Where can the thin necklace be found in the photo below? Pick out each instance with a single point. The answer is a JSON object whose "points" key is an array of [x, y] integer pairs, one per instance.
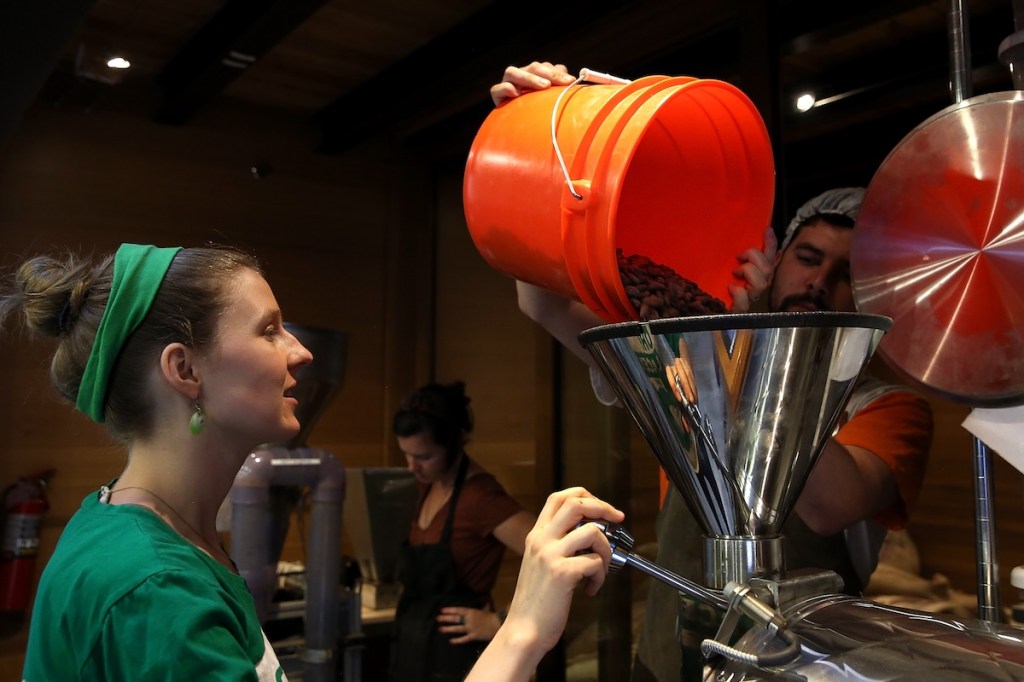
{"points": [[106, 492]]}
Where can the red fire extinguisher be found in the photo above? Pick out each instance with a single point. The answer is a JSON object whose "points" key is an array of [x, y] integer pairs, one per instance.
{"points": [[24, 504]]}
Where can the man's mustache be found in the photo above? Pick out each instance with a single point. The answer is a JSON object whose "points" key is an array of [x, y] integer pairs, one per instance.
{"points": [[817, 302]]}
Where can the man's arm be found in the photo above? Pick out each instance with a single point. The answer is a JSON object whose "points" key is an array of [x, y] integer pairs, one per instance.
{"points": [[873, 468], [846, 485], [561, 317]]}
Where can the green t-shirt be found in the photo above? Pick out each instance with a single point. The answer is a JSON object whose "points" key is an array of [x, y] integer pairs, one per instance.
{"points": [[125, 597]]}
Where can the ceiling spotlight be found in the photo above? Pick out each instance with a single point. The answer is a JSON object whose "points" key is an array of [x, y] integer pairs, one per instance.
{"points": [[805, 101], [100, 63]]}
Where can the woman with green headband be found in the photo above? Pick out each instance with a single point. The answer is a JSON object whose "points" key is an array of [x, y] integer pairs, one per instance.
{"points": [[183, 355]]}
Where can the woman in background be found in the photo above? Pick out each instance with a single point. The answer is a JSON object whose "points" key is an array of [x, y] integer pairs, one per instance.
{"points": [[464, 522], [182, 354]]}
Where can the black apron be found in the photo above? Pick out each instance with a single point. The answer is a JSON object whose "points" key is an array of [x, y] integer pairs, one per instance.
{"points": [[420, 652]]}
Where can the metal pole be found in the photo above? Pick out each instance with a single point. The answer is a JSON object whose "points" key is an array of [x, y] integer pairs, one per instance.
{"points": [[984, 507], [984, 519], [960, 86]]}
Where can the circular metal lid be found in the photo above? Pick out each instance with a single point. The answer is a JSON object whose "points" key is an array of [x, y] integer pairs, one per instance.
{"points": [[939, 248]]}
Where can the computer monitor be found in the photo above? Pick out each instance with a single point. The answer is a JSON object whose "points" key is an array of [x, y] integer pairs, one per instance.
{"points": [[379, 506]]}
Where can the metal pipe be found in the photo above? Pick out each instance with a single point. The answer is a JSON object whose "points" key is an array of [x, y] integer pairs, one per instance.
{"points": [[984, 518], [669, 578], [960, 86], [253, 549], [252, 523], [984, 508]]}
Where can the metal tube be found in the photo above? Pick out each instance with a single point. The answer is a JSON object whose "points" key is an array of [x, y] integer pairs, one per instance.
{"points": [[682, 584], [252, 521], [324, 570], [960, 52], [984, 508], [984, 518]]}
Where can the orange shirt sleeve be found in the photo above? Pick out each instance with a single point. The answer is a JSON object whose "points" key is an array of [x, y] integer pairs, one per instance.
{"points": [[896, 427]]}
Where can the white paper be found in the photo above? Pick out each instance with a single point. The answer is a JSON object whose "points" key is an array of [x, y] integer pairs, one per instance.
{"points": [[1002, 430]]}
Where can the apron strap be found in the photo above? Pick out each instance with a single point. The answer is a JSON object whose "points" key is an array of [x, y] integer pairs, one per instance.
{"points": [[460, 476]]}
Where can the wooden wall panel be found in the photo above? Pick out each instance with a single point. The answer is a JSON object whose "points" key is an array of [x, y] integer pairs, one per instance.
{"points": [[483, 339]]}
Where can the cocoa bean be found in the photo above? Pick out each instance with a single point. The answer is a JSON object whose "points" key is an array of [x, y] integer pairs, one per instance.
{"points": [[657, 291]]}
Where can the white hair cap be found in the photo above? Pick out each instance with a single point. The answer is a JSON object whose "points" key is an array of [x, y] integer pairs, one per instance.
{"points": [[844, 201]]}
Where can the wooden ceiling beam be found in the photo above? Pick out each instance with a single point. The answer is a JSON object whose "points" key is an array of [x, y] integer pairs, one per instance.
{"points": [[32, 37], [235, 38], [451, 74]]}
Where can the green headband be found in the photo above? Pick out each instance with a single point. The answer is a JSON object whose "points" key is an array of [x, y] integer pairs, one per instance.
{"points": [[138, 272]]}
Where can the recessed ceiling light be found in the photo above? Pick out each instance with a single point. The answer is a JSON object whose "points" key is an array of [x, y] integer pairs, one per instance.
{"points": [[805, 101], [118, 63]]}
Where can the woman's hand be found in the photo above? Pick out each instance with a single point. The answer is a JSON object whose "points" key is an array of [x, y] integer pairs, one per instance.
{"points": [[519, 80], [755, 269], [560, 555], [468, 625]]}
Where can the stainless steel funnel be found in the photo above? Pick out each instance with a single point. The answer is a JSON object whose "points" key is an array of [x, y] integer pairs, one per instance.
{"points": [[737, 409]]}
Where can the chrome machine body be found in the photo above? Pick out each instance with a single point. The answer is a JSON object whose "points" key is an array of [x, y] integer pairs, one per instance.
{"points": [[737, 409]]}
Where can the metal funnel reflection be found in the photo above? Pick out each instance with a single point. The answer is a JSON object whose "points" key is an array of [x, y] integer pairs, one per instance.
{"points": [[737, 407], [319, 381]]}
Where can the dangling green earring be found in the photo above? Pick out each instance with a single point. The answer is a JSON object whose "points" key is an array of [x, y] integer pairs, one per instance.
{"points": [[197, 421]]}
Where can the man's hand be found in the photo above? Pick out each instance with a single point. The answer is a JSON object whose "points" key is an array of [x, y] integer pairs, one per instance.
{"points": [[755, 269], [519, 80]]}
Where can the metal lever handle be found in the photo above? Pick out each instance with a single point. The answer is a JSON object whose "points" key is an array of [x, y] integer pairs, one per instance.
{"points": [[621, 542]]}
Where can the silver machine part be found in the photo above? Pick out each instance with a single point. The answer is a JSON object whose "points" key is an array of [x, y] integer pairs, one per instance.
{"points": [[728, 560], [620, 541], [989, 599], [847, 638], [737, 408], [898, 238]]}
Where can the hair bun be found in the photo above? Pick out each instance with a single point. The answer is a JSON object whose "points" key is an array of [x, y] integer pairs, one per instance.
{"points": [[53, 292]]}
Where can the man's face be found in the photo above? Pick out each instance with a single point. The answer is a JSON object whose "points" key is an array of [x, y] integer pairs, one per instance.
{"points": [[813, 273]]}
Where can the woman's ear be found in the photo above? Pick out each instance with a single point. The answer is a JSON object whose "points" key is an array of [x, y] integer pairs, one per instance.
{"points": [[177, 366]]}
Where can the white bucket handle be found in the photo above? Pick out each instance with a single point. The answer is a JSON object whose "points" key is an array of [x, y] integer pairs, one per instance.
{"points": [[586, 76]]}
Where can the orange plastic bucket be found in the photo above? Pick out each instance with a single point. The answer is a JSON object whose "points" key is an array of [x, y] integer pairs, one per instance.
{"points": [[677, 169]]}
